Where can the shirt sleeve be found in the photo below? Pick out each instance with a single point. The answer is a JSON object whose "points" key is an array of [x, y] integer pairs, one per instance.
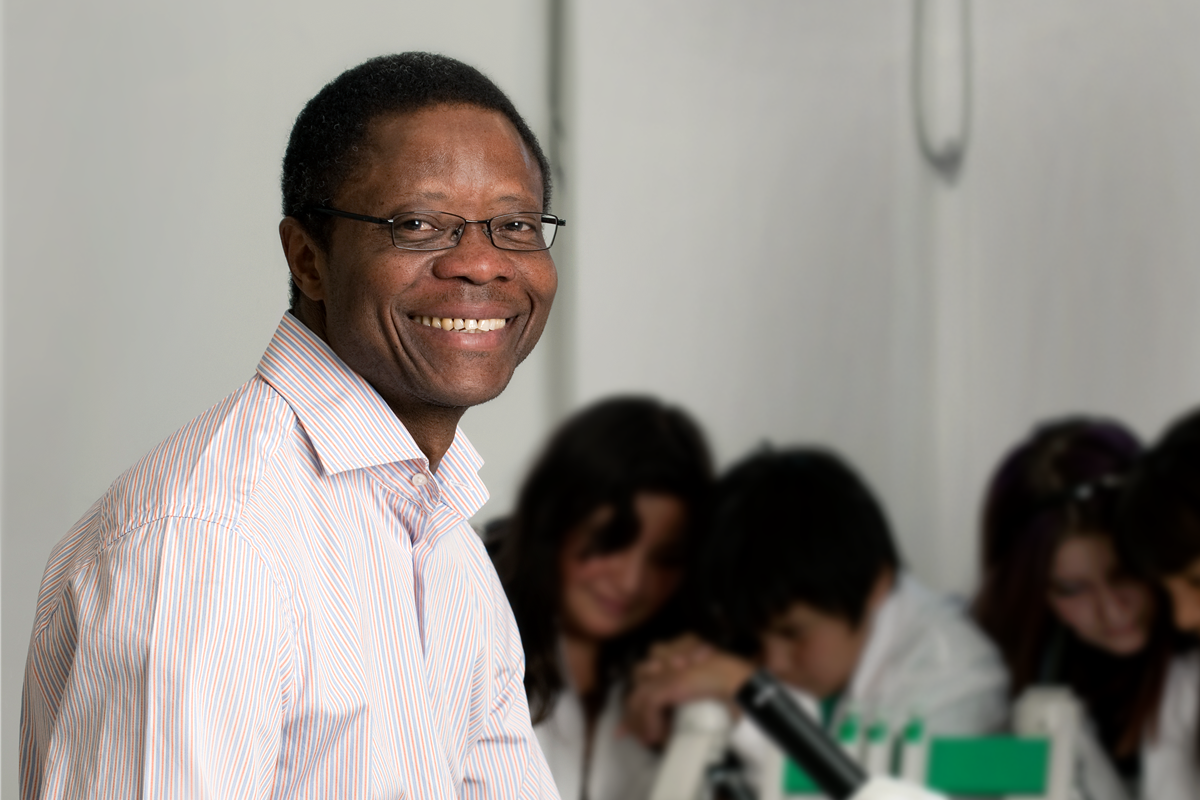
{"points": [[160, 670], [506, 760]]}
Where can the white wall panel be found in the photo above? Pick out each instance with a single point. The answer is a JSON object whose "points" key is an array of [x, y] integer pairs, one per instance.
{"points": [[1078, 282], [747, 241]]}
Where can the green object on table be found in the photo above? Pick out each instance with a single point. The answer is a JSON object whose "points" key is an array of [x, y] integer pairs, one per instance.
{"points": [[796, 780], [988, 765], [848, 729], [982, 766]]}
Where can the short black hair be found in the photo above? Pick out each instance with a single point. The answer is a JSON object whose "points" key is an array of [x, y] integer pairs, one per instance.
{"points": [[327, 138], [797, 525], [1160, 520]]}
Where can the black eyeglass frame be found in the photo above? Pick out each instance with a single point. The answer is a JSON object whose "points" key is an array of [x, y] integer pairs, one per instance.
{"points": [[559, 222]]}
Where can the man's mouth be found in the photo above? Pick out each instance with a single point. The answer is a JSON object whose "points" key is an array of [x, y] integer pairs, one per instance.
{"points": [[461, 325]]}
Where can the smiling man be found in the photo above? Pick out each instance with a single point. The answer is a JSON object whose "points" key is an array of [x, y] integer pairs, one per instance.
{"points": [[284, 599]]}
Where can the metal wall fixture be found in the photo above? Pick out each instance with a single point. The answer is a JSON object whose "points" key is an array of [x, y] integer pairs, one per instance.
{"points": [[941, 82]]}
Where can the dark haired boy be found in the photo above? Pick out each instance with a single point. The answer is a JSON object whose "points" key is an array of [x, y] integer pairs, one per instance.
{"points": [[1161, 529], [801, 576]]}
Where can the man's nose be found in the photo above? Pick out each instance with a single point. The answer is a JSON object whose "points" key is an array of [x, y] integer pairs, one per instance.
{"points": [[475, 258]]}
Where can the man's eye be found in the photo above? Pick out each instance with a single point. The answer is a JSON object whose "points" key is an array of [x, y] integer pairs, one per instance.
{"points": [[414, 223]]}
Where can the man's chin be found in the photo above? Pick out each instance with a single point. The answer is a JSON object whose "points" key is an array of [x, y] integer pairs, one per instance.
{"points": [[465, 394]]}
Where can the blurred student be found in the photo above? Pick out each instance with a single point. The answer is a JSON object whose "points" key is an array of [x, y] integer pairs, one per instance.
{"points": [[591, 561], [1161, 524], [1056, 596], [801, 576]]}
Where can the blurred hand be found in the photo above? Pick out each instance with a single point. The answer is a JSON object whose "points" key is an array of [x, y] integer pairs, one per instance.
{"points": [[676, 672]]}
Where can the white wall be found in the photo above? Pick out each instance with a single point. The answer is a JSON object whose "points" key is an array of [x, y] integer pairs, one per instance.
{"points": [[142, 270], [760, 167], [1073, 280]]}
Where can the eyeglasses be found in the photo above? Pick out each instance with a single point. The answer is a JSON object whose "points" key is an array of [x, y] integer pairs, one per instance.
{"points": [[439, 230]]}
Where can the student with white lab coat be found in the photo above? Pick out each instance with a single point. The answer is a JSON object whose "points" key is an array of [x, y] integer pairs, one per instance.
{"points": [[801, 576], [1060, 600], [591, 560], [1160, 526]]}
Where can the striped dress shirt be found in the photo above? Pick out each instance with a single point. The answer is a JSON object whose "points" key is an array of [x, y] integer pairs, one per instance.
{"points": [[280, 601]]}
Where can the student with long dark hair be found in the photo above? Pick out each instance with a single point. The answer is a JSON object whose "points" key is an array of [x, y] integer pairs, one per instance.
{"points": [[1160, 524], [591, 561], [1057, 595]]}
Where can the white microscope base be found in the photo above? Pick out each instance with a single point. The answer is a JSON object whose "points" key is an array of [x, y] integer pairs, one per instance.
{"points": [[880, 788]]}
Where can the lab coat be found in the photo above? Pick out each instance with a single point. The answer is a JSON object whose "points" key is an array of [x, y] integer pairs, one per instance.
{"points": [[1169, 766], [621, 768], [923, 657]]}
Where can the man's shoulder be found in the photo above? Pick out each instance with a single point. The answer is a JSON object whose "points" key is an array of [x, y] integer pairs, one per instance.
{"points": [[205, 470], [202, 474], [209, 467]]}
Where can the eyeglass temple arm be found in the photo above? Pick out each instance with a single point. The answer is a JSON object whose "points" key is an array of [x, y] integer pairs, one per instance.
{"points": [[333, 212]]}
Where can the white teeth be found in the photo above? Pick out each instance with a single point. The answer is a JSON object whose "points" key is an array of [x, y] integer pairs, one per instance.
{"points": [[464, 325]]}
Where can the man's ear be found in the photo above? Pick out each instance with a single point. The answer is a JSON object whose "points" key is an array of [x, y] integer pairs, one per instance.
{"points": [[305, 258]]}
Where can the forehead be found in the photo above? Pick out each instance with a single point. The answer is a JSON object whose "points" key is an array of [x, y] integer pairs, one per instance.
{"points": [[445, 153], [1085, 552], [802, 614]]}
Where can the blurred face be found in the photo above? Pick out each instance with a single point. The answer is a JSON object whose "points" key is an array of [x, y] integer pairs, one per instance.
{"points": [[1092, 595], [1184, 588], [609, 594], [813, 650]]}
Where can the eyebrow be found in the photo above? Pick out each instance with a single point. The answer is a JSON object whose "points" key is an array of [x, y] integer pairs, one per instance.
{"points": [[508, 198]]}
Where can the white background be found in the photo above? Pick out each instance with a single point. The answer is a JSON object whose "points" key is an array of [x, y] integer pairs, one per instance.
{"points": [[753, 234]]}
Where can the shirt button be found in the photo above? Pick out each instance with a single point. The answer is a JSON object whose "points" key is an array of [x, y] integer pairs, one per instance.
{"points": [[420, 479]]}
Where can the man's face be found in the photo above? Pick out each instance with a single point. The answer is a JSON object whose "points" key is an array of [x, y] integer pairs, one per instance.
{"points": [[466, 161]]}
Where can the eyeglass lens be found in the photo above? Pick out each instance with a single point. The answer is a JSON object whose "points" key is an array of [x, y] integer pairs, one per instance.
{"points": [[422, 230]]}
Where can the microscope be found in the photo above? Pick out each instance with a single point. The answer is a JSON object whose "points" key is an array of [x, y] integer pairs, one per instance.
{"points": [[1047, 759]]}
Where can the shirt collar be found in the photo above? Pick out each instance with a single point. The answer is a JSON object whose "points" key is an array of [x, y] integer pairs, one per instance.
{"points": [[348, 423]]}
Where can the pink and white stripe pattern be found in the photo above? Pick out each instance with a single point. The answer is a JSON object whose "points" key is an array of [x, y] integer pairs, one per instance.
{"points": [[280, 601]]}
